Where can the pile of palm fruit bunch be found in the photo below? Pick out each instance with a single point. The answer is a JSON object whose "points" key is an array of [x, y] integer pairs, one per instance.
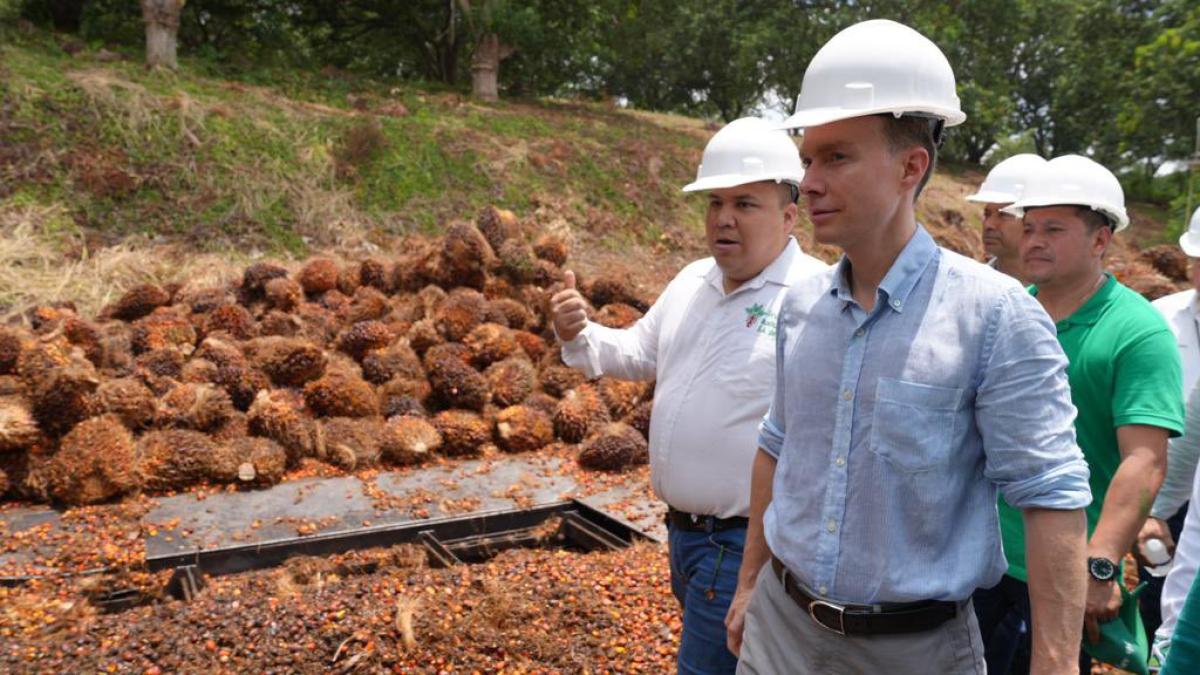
{"points": [[445, 350]]}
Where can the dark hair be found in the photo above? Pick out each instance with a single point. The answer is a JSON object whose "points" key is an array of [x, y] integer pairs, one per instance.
{"points": [[906, 131], [788, 194], [1093, 219]]}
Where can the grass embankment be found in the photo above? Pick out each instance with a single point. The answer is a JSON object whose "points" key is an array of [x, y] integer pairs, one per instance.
{"points": [[111, 175], [99, 152]]}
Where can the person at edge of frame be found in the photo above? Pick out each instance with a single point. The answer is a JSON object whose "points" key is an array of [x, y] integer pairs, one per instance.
{"points": [[1169, 520]]}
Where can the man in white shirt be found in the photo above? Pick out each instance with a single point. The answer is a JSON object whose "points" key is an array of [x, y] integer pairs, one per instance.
{"points": [[1182, 312], [1002, 231], [709, 341]]}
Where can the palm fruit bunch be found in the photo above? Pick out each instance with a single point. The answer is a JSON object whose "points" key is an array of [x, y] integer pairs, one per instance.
{"points": [[441, 350]]}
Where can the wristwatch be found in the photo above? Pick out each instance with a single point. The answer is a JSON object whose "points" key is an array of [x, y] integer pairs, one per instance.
{"points": [[1102, 569]]}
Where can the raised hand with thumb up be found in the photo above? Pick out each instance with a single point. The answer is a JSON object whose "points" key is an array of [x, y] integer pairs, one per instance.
{"points": [[568, 310]]}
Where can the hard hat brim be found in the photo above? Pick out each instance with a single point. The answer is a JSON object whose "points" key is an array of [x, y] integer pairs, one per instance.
{"points": [[992, 197], [1190, 243], [1019, 208], [733, 180], [816, 117]]}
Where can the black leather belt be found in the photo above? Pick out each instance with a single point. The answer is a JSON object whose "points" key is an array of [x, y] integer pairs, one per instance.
{"points": [[694, 523], [866, 619]]}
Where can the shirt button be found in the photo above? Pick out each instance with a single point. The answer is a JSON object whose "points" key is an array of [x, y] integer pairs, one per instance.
{"points": [[860, 332], [840, 461], [823, 590], [896, 304], [847, 394], [831, 525]]}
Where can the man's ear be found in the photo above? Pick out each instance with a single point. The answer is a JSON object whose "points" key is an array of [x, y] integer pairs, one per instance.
{"points": [[914, 164], [791, 216], [1101, 239]]}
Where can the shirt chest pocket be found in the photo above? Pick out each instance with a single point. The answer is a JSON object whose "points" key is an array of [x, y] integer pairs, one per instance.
{"points": [[748, 370], [913, 424]]}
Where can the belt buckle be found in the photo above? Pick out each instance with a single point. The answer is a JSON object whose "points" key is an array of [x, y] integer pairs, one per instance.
{"points": [[838, 609]]}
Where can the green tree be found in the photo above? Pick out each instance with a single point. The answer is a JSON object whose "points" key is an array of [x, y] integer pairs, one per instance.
{"points": [[1036, 67], [1158, 113], [984, 61], [799, 29], [1097, 57], [699, 57]]}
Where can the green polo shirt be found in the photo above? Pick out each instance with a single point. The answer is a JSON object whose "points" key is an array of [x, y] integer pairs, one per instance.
{"points": [[1124, 369]]}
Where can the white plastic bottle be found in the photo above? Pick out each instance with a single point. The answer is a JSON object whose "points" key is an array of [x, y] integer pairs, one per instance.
{"points": [[1157, 555]]}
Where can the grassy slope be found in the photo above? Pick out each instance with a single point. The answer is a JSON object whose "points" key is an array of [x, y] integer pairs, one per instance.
{"points": [[200, 170]]}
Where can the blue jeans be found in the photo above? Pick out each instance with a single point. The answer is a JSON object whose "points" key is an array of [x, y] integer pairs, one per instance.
{"points": [[704, 571], [1000, 610]]}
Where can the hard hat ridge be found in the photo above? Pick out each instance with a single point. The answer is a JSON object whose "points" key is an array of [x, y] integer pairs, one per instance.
{"points": [[1190, 241], [1006, 180], [877, 67], [747, 150], [1074, 180]]}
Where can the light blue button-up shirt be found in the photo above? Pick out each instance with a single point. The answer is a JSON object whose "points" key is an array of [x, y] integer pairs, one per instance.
{"points": [[894, 429]]}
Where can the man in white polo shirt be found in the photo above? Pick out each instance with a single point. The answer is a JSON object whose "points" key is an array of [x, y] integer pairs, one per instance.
{"points": [[1182, 312], [1002, 231], [709, 340]]}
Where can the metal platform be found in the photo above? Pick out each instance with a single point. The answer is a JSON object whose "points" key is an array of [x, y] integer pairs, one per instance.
{"points": [[233, 531], [449, 541]]}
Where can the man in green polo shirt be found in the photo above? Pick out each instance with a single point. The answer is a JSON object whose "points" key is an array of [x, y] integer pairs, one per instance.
{"points": [[1125, 381]]}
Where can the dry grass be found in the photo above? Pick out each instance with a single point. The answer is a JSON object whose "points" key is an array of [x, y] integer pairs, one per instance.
{"points": [[44, 258], [38, 265], [136, 109]]}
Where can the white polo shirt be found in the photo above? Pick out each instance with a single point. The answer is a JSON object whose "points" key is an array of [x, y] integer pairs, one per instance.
{"points": [[713, 356], [1183, 316]]}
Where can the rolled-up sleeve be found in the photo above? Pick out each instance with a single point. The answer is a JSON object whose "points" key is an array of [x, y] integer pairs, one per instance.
{"points": [[628, 353], [1024, 412]]}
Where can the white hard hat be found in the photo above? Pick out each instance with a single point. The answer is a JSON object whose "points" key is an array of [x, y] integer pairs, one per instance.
{"points": [[1005, 181], [1074, 180], [747, 150], [876, 67], [1190, 241]]}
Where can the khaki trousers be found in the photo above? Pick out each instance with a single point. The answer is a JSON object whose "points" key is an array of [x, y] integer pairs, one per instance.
{"points": [[781, 639]]}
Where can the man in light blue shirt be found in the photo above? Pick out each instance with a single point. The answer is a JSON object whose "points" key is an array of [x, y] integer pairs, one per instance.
{"points": [[912, 385]]}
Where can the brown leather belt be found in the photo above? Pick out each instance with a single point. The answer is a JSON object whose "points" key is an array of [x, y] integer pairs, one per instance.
{"points": [[912, 617], [696, 523]]}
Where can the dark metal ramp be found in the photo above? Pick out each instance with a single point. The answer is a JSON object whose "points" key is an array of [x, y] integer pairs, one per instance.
{"points": [[227, 531]]}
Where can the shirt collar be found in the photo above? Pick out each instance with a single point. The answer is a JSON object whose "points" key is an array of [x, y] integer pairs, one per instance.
{"points": [[778, 272], [1090, 312], [901, 277]]}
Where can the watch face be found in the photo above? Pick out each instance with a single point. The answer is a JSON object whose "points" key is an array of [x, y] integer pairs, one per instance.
{"points": [[1101, 568]]}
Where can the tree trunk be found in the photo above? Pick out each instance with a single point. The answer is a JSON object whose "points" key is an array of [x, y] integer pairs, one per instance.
{"points": [[162, 31], [485, 67]]}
